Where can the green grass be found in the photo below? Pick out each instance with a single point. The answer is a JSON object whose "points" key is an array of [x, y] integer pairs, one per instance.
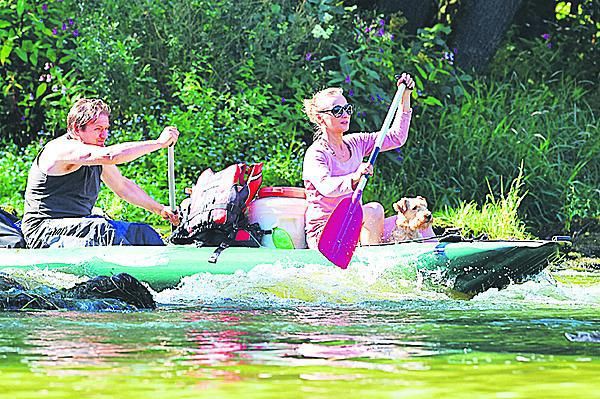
{"points": [[497, 217]]}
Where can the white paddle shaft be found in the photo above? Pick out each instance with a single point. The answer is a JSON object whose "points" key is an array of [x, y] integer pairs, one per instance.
{"points": [[171, 175], [383, 132]]}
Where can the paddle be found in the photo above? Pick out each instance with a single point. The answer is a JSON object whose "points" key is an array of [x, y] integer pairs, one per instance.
{"points": [[342, 230], [171, 176]]}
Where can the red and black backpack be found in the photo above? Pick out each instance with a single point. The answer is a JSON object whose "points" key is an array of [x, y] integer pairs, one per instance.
{"points": [[215, 212]]}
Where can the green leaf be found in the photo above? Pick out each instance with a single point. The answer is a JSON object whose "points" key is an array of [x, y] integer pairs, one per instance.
{"points": [[22, 54], [27, 45], [373, 74], [41, 90], [4, 24], [5, 52], [51, 54], [429, 100], [421, 71], [34, 57], [20, 7]]}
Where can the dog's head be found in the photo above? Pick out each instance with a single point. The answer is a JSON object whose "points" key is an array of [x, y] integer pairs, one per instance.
{"points": [[413, 213]]}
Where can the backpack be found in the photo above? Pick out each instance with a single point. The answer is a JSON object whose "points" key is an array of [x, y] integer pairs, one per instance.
{"points": [[215, 212], [10, 231]]}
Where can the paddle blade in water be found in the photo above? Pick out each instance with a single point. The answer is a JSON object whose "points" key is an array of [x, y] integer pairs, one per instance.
{"points": [[342, 231]]}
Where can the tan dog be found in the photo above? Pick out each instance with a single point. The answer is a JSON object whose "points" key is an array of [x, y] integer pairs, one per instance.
{"points": [[413, 216]]}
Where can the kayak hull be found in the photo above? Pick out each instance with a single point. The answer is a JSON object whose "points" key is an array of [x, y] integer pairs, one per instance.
{"points": [[468, 267]]}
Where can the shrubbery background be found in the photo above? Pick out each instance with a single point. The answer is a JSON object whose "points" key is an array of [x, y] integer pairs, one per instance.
{"points": [[232, 75]]}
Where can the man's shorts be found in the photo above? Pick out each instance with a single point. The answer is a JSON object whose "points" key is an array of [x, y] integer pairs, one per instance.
{"points": [[91, 231]]}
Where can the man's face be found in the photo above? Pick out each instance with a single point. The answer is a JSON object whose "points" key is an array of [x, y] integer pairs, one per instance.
{"points": [[95, 132]]}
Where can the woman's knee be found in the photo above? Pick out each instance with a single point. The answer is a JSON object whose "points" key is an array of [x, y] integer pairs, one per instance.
{"points": [[374, 211]]}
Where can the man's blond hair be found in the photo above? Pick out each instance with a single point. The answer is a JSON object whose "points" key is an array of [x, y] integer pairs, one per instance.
{"points": [[85, 110]]}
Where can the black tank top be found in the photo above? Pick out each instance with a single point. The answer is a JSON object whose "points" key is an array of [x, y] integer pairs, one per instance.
{"points": [[66, 196]]}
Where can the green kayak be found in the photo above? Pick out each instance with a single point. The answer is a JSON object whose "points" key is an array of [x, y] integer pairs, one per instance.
{"points": [[467, 266]]}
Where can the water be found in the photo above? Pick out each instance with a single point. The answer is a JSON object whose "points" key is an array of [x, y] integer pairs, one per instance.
{"points": [[291, 333]]}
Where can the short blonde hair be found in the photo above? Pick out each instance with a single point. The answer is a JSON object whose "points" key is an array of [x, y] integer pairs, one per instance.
{"points": [[84, 111], [310, 106]]}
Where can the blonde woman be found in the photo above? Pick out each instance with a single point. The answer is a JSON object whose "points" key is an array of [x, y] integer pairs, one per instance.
{"points": [[334, 163]]}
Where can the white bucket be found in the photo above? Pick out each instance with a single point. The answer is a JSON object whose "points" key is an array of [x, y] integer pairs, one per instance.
{"points": [[287, 213]]}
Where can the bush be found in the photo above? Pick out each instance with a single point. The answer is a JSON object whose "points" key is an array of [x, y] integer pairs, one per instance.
{"points": [[232, 76], [37, 79]]}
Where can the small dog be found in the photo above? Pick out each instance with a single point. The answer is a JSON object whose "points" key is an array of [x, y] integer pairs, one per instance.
{"points": [[413, 216]]}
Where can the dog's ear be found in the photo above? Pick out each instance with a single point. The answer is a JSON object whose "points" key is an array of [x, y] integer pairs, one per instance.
{"points": [[422, 199], [401, 206]]}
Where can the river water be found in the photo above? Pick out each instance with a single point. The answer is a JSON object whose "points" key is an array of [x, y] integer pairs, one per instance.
{"points": [[309, 334]]}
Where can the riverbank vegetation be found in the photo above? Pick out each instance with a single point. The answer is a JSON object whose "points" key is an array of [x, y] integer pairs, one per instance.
{"points": [[232, 75]]}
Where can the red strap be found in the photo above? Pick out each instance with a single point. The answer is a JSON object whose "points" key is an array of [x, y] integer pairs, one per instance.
{"points": [[254, 180]]}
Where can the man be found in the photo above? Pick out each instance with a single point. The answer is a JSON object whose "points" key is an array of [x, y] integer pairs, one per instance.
{"points": [[64, 181]]}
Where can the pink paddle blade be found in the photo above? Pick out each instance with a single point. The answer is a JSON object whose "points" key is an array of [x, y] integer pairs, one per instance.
{"points": [[342, 232]]}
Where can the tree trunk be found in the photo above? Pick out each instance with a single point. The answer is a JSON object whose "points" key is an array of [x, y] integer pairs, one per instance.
{"points": [[478, 30]]}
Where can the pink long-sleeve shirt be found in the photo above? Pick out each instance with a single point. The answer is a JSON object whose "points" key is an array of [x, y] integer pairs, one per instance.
{"points": [[328, 180]]}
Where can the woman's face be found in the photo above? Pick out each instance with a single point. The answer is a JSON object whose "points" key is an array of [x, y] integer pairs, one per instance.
{"points": [[334, 124]]}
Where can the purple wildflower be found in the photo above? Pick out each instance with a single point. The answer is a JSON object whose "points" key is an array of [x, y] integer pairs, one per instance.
{"points": [[308, 56], [351, 93], [76, 32], [23, 118], [54, 31], [347, 80], [381, 32], [455, 50], [382, 22], [546, 36], [367, 29], [64, 27], [392, 37], [549, 45], [45, 7], [71, 22], [379, 98], [282, 100], [380, 50], [48, 78], [364, 114], [400, 156], [42, 78], [371, 98]]}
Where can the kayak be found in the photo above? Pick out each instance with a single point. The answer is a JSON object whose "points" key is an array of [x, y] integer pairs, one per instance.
{"points": [[467, 266]]}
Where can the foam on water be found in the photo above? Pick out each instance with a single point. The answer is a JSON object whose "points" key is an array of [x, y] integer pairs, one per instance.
{"points": [[310, 283], [281, 283], [544, 289]]}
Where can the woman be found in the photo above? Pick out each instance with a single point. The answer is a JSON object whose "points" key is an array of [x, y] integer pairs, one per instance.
{"points": [[333, 164]]}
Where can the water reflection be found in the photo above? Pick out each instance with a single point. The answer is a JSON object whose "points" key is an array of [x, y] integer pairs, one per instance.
{"points": [[60, 348]]}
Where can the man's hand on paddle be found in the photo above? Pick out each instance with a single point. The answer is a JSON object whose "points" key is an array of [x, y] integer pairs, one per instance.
{"points": [[168, 136], [168, 214]]}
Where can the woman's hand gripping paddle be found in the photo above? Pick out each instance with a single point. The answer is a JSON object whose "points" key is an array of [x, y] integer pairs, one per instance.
{"points": [[342, 230], [171, 177]]}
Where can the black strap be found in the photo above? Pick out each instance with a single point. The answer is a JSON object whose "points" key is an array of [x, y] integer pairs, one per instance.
{"points": [[215, 255]]}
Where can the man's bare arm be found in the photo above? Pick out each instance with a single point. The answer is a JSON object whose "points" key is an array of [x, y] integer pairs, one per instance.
{"points": [[78, 153], [134, 194]]}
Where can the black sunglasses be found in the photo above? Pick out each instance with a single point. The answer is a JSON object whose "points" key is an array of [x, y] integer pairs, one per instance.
{"points": [[339, 110]]}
